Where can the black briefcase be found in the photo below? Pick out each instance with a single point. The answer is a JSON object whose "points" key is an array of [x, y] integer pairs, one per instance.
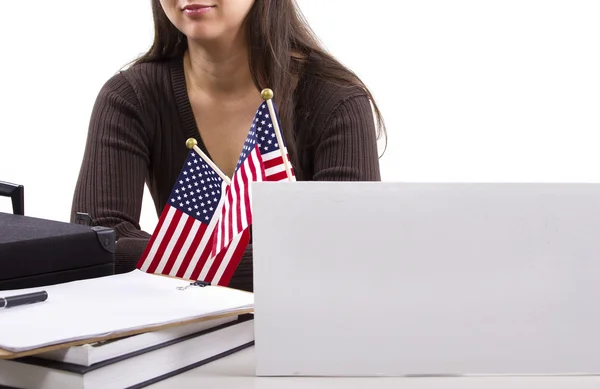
{"points": [[38, 252]]}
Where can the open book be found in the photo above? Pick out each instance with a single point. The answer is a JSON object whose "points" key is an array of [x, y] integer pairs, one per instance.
{"points": [[124, 304]]}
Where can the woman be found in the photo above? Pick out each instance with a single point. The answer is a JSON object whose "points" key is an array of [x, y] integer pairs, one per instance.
{"points": [[202, 78]]}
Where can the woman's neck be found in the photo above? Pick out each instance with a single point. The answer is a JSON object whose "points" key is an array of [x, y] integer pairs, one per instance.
{"points": [[218, 69]]}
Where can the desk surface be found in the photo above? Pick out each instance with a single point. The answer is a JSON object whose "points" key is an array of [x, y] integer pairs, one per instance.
{"points": [[237, 371]]}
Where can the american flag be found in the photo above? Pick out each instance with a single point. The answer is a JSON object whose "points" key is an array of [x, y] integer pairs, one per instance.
{"points": [[261, 160], [181, 243]]}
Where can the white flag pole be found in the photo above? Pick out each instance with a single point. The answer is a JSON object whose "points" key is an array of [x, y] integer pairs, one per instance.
{"points": [[192, 143], [267, 95]]}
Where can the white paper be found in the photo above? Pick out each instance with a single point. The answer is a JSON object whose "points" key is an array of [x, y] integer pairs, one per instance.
{"points": [[113, 304]]}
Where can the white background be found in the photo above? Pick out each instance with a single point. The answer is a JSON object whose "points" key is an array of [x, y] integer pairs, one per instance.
{"points": [[471, 90]]}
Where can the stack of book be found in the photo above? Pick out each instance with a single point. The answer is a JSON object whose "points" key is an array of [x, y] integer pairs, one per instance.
{"points": [[131, 362], [191, 328]]}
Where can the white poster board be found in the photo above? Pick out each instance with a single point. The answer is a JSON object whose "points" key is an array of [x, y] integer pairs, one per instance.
{"points": [[399, 279]]}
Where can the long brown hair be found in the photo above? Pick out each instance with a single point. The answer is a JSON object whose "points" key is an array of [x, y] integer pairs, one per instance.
{"points": [[274, 29]]}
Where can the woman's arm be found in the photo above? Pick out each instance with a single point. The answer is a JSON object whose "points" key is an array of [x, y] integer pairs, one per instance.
{"points": [[347, 149], [114, 167]]}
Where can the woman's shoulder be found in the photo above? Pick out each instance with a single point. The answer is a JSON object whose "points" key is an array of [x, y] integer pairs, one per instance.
{"points": [[323, 89], [150, 72], [141, 82], [144, 91]]}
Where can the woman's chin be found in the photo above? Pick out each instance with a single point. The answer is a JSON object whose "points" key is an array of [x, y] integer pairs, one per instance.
{"points": [[201, 33]]}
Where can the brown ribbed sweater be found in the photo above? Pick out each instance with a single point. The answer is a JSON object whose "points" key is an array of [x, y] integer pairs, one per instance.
{"points": [[137, 132]]}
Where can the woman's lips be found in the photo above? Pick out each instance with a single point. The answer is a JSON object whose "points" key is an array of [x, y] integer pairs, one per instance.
{"points": [[196, 9]]}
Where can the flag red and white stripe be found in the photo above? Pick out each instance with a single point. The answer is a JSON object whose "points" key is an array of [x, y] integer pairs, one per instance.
{"points": [[261, 160]]}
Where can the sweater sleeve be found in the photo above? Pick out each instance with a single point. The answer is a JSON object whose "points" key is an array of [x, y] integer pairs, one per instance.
{"points": [[347, 150], [111, 180]]}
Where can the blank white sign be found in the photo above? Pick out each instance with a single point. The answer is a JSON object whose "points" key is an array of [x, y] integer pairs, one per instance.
{"points": [[401, 279]]}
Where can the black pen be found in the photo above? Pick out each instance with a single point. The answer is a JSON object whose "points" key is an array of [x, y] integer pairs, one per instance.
{"points": [[22, 299]]}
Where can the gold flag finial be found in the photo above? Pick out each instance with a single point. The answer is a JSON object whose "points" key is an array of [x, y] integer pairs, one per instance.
{"points": [[190, 143], [266, 94]]}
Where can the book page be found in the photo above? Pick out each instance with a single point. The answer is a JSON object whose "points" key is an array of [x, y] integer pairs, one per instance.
{"points": [[108, 305]]}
